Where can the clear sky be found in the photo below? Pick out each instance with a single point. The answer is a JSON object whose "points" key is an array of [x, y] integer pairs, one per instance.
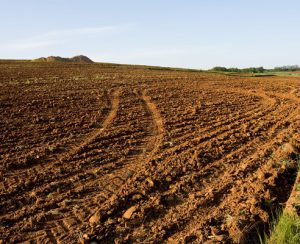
{"points": [[191, 33]]}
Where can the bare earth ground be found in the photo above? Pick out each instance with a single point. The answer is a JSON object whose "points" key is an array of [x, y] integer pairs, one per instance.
{"points": [[96, 152]]}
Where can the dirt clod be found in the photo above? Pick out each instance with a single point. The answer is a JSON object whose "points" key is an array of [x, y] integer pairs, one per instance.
{"points": [[95, 218], [129, 212]]}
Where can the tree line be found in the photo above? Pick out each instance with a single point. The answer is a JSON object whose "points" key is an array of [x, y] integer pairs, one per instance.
{"points": [[256, 69]]}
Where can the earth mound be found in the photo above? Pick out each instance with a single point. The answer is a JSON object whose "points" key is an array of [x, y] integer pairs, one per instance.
{"points": [[81, 59], [78, 59]]}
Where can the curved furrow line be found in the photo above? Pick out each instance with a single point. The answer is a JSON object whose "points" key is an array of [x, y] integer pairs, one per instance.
{"points": [[189, 132], [235, 170], [215, 132], [215, 205], [193, 136], [223, 185], [192, 121], [269, 131], [290, 96], [270, 106]]}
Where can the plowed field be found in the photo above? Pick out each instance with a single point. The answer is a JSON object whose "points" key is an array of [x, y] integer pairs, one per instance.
{"points": [[123, 154]]}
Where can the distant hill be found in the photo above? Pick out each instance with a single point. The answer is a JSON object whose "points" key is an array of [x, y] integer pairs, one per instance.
{"points": [[78, 59], [81, 59]]}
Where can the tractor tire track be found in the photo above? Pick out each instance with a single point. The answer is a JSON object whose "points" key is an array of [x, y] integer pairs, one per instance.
{"points": [[66, 229]]}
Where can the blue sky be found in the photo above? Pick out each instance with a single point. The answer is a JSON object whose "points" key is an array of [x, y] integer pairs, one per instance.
{"points": [[191, 33]]}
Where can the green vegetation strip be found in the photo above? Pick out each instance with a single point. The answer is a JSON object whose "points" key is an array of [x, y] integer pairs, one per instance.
{"points": [[286, 229]]}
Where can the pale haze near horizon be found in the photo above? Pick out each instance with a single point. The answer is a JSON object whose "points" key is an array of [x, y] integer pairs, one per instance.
{"points": [[193, 34]]}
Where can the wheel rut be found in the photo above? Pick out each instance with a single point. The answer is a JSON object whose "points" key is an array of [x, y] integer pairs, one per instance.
{"points": [[71, 150], [94, 134], [68, 213]]}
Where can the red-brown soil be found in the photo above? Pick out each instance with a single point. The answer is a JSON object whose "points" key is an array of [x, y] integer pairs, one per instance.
{"points": [[123, 154]]}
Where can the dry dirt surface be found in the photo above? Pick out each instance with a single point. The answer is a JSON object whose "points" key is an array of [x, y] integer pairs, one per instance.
{"points": [[125, 154]]}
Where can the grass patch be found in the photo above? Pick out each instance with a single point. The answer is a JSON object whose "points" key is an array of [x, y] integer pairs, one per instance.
{"points": [[287, 230], [277, 73], [259, 74]]}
